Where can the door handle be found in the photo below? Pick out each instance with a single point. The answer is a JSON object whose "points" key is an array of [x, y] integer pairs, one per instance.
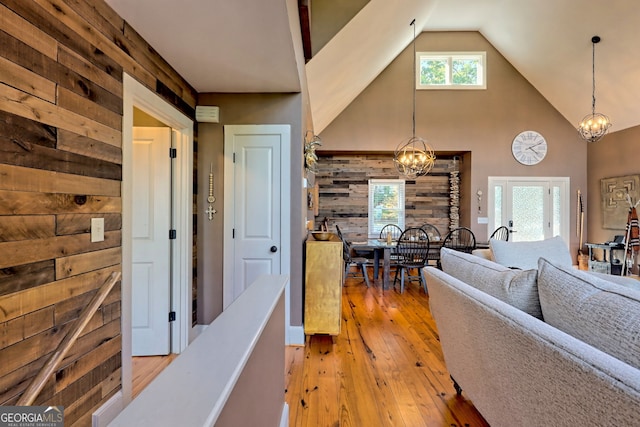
{"points": [[273, 249]]}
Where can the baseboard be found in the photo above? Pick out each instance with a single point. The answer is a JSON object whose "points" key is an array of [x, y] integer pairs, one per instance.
{"points": [[295, 335], [107, 412], [284, 419]]}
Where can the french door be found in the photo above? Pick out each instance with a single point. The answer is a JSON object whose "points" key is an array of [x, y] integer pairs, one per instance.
{"points": [[533, 208]]}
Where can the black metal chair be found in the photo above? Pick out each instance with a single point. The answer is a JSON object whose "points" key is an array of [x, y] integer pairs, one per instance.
{"points": [[460, 239], [500, 233], [353, 261], [411, 251]]}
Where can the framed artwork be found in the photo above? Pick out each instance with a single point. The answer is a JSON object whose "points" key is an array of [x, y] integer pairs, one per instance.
{"points": [[613, 194]]}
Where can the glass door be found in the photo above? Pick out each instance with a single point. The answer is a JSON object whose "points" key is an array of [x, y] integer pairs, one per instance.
{"points": [[532, 208]]}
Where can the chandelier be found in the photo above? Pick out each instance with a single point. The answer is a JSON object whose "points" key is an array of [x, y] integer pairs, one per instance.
{"points": [[595, 125], [414, 157]]}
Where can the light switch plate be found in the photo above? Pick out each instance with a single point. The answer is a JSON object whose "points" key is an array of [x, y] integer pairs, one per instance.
{"points": [[97, 229]]}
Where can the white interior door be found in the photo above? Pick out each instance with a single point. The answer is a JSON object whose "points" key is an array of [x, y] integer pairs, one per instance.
{"points": [[150, 233], [533, 208], [256, 225]]}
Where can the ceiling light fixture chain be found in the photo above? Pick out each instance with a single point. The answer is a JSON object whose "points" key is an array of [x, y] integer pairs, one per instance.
{"points": [[595, 125], [414, 157]]}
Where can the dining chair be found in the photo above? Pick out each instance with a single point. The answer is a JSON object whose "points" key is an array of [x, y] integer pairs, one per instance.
{"points": [[500, 233], [412, 251], [395, 233], [432, 231], [353, 261], [434, 242], [392, 229], [460, 239]]}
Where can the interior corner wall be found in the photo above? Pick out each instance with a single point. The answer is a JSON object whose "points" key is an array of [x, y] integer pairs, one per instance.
{"points": [[481, 122], [328, 17], [236, 109], [614, 155]]}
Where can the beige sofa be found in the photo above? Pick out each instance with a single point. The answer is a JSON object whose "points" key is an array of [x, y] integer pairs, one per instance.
{"points": [[553, 346]]}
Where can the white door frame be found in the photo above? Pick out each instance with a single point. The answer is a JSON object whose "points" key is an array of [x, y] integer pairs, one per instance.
{"points": [[285, 208], [137, 95], [563, 182]]}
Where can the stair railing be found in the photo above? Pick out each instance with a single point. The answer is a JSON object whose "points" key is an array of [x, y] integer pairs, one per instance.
{"points": [[38, 382]]}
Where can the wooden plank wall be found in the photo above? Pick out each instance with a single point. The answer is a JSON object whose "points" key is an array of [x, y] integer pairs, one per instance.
{"points": [[61, 66], [344, 192]]}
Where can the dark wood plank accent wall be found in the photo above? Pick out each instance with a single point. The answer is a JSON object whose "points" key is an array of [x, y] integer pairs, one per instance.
{"points": [[61, 68], [343, 181]]}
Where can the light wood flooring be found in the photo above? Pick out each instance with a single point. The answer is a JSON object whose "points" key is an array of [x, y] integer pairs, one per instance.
{"points": [[146, 368], [384, 369]]}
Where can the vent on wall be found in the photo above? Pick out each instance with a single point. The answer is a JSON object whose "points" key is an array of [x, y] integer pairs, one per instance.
{"points": [[207, 114]]}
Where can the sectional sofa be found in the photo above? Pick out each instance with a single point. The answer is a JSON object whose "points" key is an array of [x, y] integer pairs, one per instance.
{"points": [[543, 346]]}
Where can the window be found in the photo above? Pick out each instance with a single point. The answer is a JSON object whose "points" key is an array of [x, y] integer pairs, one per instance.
{"points": [[451, 70], [386, 204]]}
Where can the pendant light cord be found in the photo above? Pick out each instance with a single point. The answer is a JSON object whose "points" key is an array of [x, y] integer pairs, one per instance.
{"points": [[593, 75], [413, 83]]}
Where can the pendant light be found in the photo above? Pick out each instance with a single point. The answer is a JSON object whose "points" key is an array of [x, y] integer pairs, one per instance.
{"points": [[595, 125], [414, 157]]}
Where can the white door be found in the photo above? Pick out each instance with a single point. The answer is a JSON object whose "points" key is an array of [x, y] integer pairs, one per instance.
{"points": [[150, 234], [533, 208], [256, 205], [528, 211]]}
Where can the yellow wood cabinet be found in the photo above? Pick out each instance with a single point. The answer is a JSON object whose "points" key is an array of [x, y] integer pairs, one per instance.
{"points": [[324, 268]]}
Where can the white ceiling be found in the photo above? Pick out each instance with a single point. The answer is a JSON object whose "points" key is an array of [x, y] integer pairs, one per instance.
{"points": [[250, 46]]}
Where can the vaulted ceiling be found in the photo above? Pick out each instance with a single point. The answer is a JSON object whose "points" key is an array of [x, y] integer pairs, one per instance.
{"points": [[255, 46]]}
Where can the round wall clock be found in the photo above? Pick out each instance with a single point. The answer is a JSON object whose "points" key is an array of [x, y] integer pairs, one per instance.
{"points": [[529, 147]]}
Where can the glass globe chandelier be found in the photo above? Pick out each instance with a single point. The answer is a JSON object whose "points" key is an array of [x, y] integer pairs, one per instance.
{"points": [[595, 125], [414, 157]]}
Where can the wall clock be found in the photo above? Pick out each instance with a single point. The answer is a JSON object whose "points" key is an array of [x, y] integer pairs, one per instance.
{"points": [[529, 147]]}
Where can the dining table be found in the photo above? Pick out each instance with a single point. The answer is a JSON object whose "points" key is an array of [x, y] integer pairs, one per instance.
{"points": [[378, 247], [382, 249]]}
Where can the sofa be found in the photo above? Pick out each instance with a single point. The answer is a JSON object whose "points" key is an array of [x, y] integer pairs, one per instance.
{"points": [[544, 346]]}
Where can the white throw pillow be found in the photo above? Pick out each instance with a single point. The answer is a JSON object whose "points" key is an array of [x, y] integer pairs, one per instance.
{"points": [[599, 312], [524, 255]]}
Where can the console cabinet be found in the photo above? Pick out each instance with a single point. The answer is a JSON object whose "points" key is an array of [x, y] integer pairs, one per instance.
{"points": [[324, 269]]}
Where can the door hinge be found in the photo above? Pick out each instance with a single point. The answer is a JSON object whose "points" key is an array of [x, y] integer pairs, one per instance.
{"points": [[172, 234], [172, 316], [233, 233], [234, 157], [173, 153]]}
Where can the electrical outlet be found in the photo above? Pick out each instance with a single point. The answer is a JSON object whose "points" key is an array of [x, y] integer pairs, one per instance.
{"points": [[97, 229]]}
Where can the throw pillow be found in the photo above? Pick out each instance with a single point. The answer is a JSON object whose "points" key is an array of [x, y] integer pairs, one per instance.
{"points": [[628, 282], [599, 312], [524, 255], [515, 287]]}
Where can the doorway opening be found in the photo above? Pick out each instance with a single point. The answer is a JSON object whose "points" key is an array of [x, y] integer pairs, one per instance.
{"points": [[257, 211], [533, 208], [137, 97]]}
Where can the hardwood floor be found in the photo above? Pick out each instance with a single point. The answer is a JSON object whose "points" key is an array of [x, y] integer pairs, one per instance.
{"points": [[146, 368], [384, 369]]}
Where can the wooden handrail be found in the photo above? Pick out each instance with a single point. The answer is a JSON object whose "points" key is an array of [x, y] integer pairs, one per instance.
{"points": [[38, 382]]}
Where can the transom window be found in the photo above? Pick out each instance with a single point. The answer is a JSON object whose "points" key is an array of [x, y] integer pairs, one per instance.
{"points": [[386, 204], [451, 70]]}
